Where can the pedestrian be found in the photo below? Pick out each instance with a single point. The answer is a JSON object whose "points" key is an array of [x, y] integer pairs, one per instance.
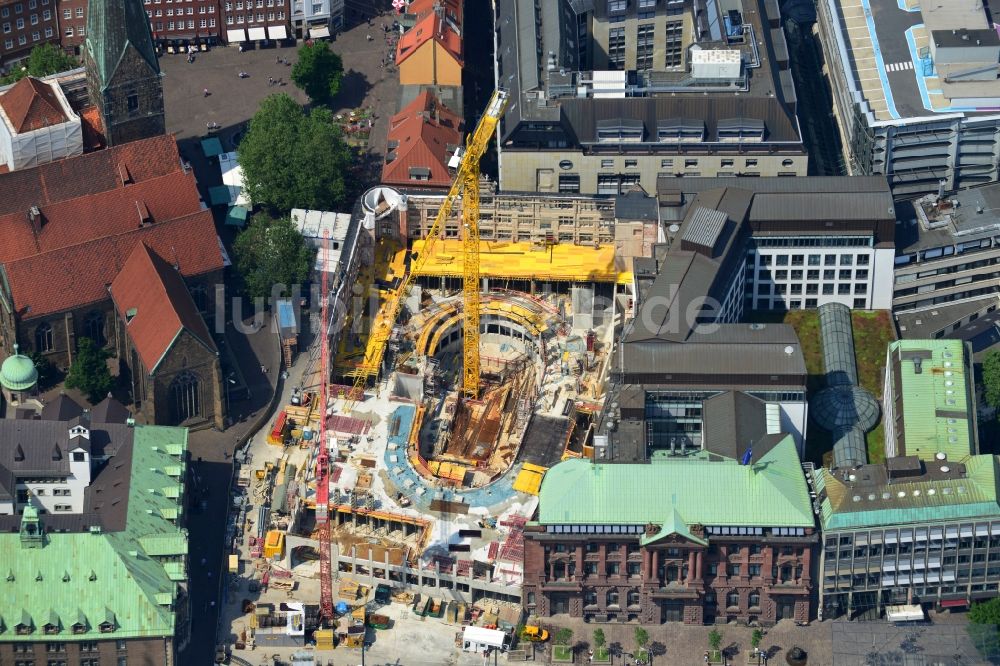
{"points": [[205, 92], [277, 60], [270, 81]]}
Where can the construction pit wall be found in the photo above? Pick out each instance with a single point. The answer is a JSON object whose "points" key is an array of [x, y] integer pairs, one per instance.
{"points": [[467, 581]]}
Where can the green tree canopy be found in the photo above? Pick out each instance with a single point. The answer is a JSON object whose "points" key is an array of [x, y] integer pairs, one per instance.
{"points": [[269, 252], [991, 378], [48, 375], [599, 638], [563, 636], [714, 639], [44, 59], [89, 372], [292, 159], [987, 612], [641, 637], [318, 71]]}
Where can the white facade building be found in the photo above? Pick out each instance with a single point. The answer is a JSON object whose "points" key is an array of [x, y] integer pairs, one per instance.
{"points": [[37, 125]]}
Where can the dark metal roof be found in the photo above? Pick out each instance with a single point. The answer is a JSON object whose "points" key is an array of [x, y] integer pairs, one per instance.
{"points": [[734, 421], [704, 227], [636, 205], [61, 408], [706, 358], [109, 410], [811, 185]]}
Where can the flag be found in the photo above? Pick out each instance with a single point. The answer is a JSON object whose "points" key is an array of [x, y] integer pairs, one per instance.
{"points": [[747, 456]]}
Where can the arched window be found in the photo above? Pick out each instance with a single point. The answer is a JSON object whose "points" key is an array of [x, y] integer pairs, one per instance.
{"points": [[733, 599], [754, 600], [185, 396], [612, 597], [93, 327], [633, 597], [43, 337]]}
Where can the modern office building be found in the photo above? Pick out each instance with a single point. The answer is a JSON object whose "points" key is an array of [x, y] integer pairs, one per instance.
{"points": [[915, 92], [694, 539], [948, 265], [923, 527], [812, 240], [607, 94], [93, 544]]}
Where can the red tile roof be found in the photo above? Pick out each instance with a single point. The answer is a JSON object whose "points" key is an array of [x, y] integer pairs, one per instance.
{"points": [[88, 174], [78, 275], [107, 213], [32, 104], [420, 136], [162, 306], [452, 9], [93, 128], [430, 27]]}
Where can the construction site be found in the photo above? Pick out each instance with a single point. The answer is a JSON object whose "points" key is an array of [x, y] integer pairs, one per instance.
{"points": [[395, 482]]}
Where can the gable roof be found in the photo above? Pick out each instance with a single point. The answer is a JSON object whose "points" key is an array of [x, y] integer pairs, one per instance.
{"points": [[108, 213], [74, 278], [674, 524], [109, 410], [88, 174], [61, 408], [114, 26], [162, 306], [771, 492], [431, 27], [424, 135], [32, 104]]}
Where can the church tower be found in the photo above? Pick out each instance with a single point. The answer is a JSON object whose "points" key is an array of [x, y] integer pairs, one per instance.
{"points": [[123, 74]]}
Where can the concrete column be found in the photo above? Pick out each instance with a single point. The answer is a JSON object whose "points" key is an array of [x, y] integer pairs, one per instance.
{"points": [[691, 567], [806, 565], [697, 566], [647, 567], [656, 567]]}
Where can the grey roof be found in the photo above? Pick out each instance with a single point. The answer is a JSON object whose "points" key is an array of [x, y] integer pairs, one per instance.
{"points": [[811, 185], [811, 205], [636, 205], [965, 224], [705, 358], [113, 27], [450, 96], [61, 408], [109, 410], [734, 421], [584, 116], [682, 279]]}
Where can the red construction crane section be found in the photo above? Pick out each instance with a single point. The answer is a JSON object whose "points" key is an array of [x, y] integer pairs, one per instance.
{"points": [[323, 455]]}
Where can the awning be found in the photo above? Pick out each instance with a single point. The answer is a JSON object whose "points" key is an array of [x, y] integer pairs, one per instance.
{"points": [[211, 146], [277, 32], [219, 195], [237, 217], [904, 613], [319, 32], [236, 35], [256, 33], [954, 603]]}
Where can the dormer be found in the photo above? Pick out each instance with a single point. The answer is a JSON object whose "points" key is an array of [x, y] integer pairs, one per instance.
{"points": [[79, 430], [109, 624], [25, 626]]}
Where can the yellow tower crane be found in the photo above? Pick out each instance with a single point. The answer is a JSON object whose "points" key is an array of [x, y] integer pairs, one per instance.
{"points": [[466, 187]]}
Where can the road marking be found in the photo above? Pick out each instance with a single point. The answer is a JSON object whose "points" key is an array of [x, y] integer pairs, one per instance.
{"points": [[899, 66]]}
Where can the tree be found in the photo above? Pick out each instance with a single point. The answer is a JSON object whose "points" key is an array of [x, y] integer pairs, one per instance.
{"points": [[987, 612], [641, 637], [991, 378], [47, 373], [563, 636], [318, 71], [599, 639], [291, 159], [755, 638], [89, 372], [44, 60], [271, 252], [714, 639]]}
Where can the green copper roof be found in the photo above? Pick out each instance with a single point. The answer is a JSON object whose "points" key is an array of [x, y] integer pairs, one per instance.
{"points": [[18, 372], [848, 506], [770, 492], [112, 27], [674, 524], [935, 398], [93, 578]]}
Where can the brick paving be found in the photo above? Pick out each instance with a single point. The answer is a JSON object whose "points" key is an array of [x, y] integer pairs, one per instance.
{"points": [[676, 644]]}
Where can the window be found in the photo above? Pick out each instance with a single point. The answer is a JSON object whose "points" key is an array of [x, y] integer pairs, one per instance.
{"points": [[862, 260], [843, 289], [20, 24], [751, 163], [846, 259], [49, 32], [861, 274], [612, 568], [569, 183], [727, 163], [63, 508], [814, 259], [781, 260], [734, 570], [54, 647], [43, 337], [812, 275], [34, 19], [612, 597], [616, 48], [617, 6], [631, 164], [754, 600], [79, 12], [733, 600], [830, 260], [754, 571], [644, 47], [6, 27], [827, 289], [845, 274], [5, 12], [133, 105], [861, 288], [47, 15], [35, 36]]}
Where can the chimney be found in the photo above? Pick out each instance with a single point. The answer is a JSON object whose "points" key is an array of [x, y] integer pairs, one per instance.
{"points": [[35, 219]]}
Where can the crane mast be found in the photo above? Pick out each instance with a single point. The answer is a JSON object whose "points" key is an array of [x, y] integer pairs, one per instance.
{"points": [[464, 186], [323, 455]]}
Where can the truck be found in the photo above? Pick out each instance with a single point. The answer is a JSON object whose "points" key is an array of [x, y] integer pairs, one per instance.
{"points": [[480, 639]]}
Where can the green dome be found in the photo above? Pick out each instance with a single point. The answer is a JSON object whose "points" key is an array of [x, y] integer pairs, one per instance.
{"points": [[18, 373]]}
